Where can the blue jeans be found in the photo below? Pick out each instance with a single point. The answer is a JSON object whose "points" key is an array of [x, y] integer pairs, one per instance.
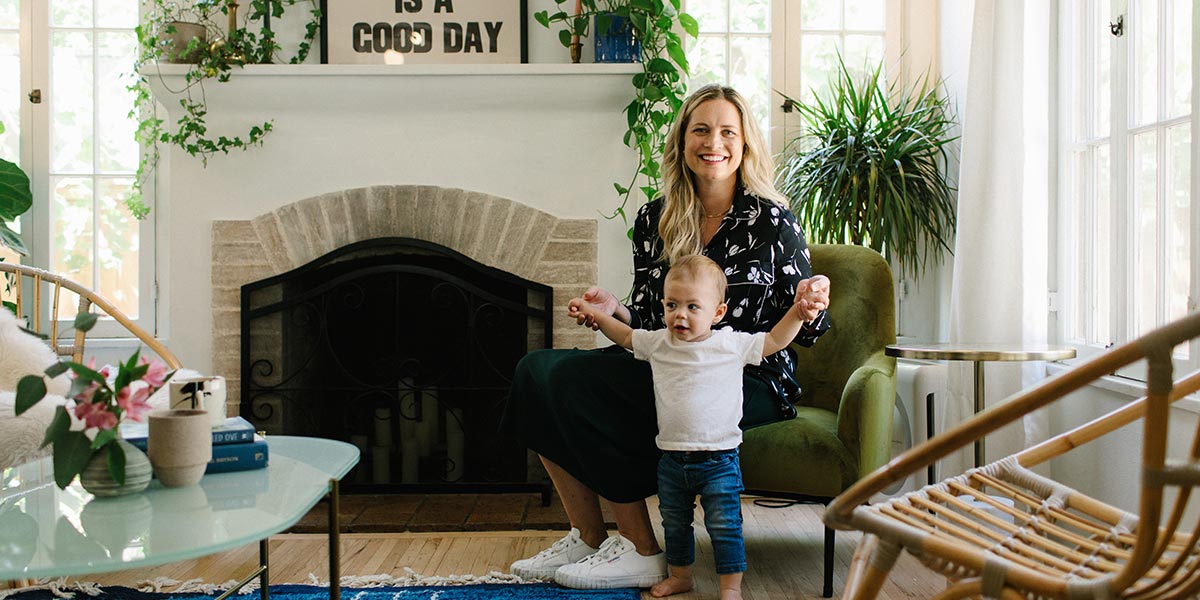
{"points": [[717, 477]]}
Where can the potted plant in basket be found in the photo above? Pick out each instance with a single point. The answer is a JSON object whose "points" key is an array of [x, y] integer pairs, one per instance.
{"points": [[869, 168], [85, 430], [171, 33], [659, 89]]}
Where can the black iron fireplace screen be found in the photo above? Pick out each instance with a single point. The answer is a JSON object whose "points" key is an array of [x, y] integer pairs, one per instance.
{"points": [[402, 347]]}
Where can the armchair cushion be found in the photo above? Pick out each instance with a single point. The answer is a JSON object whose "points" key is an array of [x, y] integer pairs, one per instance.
{"points": [[774, 455]]}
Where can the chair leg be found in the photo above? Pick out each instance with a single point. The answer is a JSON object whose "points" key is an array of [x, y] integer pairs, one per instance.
{"points": [[827, 588], [873, 560]]}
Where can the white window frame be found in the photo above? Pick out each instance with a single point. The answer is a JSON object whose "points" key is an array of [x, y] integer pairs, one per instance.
{"points": [[35, 160], [1122, 318]]}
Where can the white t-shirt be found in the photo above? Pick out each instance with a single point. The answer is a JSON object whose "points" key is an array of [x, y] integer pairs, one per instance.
{"points": [[698, 386]]}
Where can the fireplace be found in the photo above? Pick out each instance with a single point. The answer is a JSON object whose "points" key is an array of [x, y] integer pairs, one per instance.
{"points": [[404, 348], [290, 307]]}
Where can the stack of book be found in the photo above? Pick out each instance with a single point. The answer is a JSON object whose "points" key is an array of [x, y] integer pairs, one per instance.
{"points": [[235, 445]]}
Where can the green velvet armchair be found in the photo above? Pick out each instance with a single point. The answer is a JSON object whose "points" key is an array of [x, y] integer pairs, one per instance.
{"points": [[843, 424]]}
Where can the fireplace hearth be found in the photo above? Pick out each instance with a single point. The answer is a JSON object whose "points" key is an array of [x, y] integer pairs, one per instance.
{"points": [[403, 347]]}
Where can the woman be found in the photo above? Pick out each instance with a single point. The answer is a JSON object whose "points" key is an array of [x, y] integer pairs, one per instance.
{"points": [[590, 414]]}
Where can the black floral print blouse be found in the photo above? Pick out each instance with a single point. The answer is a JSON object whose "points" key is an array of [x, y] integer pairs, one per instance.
{"points": [[762, 250]]}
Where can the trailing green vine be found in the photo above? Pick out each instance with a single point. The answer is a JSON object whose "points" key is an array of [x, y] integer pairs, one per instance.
{"points": [[213, 59], [660, 88]]}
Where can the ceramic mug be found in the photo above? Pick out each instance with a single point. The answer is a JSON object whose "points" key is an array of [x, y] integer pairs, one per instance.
{"points": [[205, 393]]}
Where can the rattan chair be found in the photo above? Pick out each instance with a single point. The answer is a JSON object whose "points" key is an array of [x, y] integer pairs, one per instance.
{"points": [[1003, 531], [31, 286]]}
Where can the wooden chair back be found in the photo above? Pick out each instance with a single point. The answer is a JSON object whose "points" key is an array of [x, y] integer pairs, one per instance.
{"points": [[30, 287]]}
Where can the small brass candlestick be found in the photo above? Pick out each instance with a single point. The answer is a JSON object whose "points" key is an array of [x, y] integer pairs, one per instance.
{"points": [[576, 52]]}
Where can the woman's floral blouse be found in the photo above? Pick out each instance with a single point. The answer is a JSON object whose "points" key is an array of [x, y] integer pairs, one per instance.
{"points": [[762, 250]]}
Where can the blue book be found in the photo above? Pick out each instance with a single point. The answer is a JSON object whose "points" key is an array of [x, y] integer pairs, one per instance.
{"points": [[245, 456], [234, 430]]}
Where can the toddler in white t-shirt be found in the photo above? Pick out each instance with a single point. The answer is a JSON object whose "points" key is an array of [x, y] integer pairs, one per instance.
{"points": [[697, 375]]}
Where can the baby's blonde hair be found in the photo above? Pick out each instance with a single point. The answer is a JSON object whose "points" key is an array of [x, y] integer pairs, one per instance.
{"points": [[695, 266]]}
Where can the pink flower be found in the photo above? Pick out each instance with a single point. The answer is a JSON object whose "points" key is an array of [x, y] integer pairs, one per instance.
{"points": [[133, 400], [157, 374], [95, 415]]}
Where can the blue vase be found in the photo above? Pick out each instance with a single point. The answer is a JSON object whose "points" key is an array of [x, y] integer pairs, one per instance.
{"points": [[616, 44]]}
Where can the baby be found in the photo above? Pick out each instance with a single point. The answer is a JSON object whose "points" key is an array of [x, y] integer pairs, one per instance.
{"points": [[698, 396]]}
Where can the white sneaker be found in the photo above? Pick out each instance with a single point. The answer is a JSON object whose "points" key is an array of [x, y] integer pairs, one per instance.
{"points": [[616, 565], [563, 552]]}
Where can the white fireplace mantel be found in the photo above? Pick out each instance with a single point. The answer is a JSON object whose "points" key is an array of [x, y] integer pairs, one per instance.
{"points": [[534, 86]]}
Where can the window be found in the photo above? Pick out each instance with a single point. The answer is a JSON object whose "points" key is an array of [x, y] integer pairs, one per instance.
{"points": [[78, 143], [762, 46], [1127, 131]]}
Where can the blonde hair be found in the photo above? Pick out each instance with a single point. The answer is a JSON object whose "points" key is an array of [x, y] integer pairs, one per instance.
{"points": [[695, 266], [682, 213]]}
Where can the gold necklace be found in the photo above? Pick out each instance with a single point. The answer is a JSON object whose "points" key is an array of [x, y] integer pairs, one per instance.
{"points": [[718, 216]]}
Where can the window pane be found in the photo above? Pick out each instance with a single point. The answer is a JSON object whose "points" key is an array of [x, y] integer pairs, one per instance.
{"points": [[117, 245], [1101, 248], [866, 15], [71, 135], [750, 74], [751, 16], [1100, 73], [10, 14], [117, 150], [1077, 277], [1145, 203], [70, 13], [10, 95], [863, 53], [710, 14], [821, 14], [1179, 268], [818, 63], [1180, 71], [71, 222], [707, 59], [1144, 70], [120, 14]]}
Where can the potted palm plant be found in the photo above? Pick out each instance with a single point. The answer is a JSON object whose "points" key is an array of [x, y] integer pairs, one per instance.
{"points": [[869, 167]]}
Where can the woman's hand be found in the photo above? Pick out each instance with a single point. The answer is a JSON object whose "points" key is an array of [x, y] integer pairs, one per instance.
{"points": [[812, 297], [593, 301]]}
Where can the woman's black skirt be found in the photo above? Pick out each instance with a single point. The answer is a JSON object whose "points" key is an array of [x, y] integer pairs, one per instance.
{"points": [[592, 413]]}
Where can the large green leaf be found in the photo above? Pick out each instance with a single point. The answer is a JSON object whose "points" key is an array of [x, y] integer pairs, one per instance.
{"points": [[71, 453], [15, 194]]}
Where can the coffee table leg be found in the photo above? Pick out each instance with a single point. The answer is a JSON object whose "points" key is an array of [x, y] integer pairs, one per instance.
{"points": [[264, 560], [979, 445], [335, 544]]}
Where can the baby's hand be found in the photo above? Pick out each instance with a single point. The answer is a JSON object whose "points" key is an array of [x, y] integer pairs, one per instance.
{"points": [[583, 312], [594, 301], [812, 296]]}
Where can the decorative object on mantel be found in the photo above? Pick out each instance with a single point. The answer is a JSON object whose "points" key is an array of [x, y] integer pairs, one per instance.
{"points": [[15, 199], [424, 32], [614, 40], [658, 90], [86, 436], [213, 55], [869, 167]]}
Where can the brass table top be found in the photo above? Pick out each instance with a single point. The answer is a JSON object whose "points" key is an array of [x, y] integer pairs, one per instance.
{"points": [[979, 352]]}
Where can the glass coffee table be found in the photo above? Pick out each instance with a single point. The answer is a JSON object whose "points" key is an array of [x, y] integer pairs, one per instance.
{"points": [[48, 532]]}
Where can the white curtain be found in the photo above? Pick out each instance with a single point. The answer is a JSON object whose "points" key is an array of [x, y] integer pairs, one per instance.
{"points": [[999, 291]]}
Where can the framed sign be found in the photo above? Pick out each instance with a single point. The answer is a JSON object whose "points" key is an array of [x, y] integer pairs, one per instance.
{"points": [[423, 31]]}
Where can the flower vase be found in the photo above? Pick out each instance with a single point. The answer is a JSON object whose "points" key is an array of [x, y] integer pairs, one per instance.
{"points": [[97, 479]]}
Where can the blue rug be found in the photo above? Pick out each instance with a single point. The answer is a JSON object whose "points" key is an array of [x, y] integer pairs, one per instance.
{"points": [[479, 591]]}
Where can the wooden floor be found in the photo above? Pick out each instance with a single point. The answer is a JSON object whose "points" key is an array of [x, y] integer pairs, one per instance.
{"points": [[783, 547]]}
